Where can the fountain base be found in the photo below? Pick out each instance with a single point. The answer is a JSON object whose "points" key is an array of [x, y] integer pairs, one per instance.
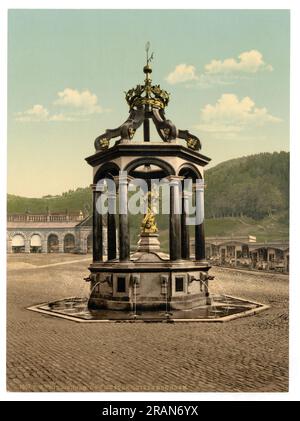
{"points": [[148, 281], [223, 308]]}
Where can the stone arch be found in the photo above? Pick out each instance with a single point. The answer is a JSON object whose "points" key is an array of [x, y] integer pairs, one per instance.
{"points": [[107, 170], [53, 240], [189, 170], [69, 242], [53, 233], [13, 233], [40, 233], [18, 242], [169, 170], [35, 242]]}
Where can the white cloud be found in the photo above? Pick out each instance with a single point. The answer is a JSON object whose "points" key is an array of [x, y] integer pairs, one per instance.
{"points": [[36, 113], [62, 117], [74, 106], [221, 72], [249, 62], [182, 73], [39, 113], [231, 115], [85, 101]]}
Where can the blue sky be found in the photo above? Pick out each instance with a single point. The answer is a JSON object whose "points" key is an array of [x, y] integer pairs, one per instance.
{"points": [[227, 72]]}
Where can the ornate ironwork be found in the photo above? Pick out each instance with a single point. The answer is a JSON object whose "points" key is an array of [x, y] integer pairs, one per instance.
{"points": [[154, 96], [147, 101]]}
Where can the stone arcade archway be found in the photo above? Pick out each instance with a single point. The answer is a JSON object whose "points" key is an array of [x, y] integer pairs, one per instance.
{"points": [[69, 243], [89, 243], [18, 243], [35, 243], [53, 243]]}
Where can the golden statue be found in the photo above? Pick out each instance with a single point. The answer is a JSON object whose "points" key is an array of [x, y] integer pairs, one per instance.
{"points": [[148, 225]]}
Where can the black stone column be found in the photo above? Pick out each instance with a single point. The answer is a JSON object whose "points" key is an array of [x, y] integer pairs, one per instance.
{"points": [[199, 227], [175, 217], [111, 227], [124, 239], [97, 228], [185, 233]]}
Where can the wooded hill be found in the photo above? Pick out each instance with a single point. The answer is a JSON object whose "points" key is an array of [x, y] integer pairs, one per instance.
{"points": [[255, 186]]}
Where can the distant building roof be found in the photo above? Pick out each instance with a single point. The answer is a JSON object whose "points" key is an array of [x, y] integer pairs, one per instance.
{"points": [[245, 239], [280, 245], [87, 222]]}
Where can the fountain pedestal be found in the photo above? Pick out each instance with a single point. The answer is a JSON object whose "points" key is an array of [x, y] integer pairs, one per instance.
{"points": [[148, 243]]}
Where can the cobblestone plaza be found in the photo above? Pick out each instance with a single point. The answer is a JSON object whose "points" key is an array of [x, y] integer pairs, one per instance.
{"points": [[47, 354]]}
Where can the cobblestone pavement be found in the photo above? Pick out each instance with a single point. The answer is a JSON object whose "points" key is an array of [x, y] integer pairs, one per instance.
{"points": [[46, 354]]}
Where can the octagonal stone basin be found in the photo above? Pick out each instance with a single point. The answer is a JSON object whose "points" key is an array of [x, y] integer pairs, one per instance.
{"points": [[223, 308]]}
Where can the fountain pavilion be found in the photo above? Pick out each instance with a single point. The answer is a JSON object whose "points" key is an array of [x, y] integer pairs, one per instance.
{"points": [[146, 278]]}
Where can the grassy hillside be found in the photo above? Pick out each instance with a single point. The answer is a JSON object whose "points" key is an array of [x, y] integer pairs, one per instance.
{"points": [[248, 195], [268, 229], [273, 227]]}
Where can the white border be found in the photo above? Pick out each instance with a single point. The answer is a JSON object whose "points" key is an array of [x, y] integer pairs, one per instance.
{"points": [[294, 5]]}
